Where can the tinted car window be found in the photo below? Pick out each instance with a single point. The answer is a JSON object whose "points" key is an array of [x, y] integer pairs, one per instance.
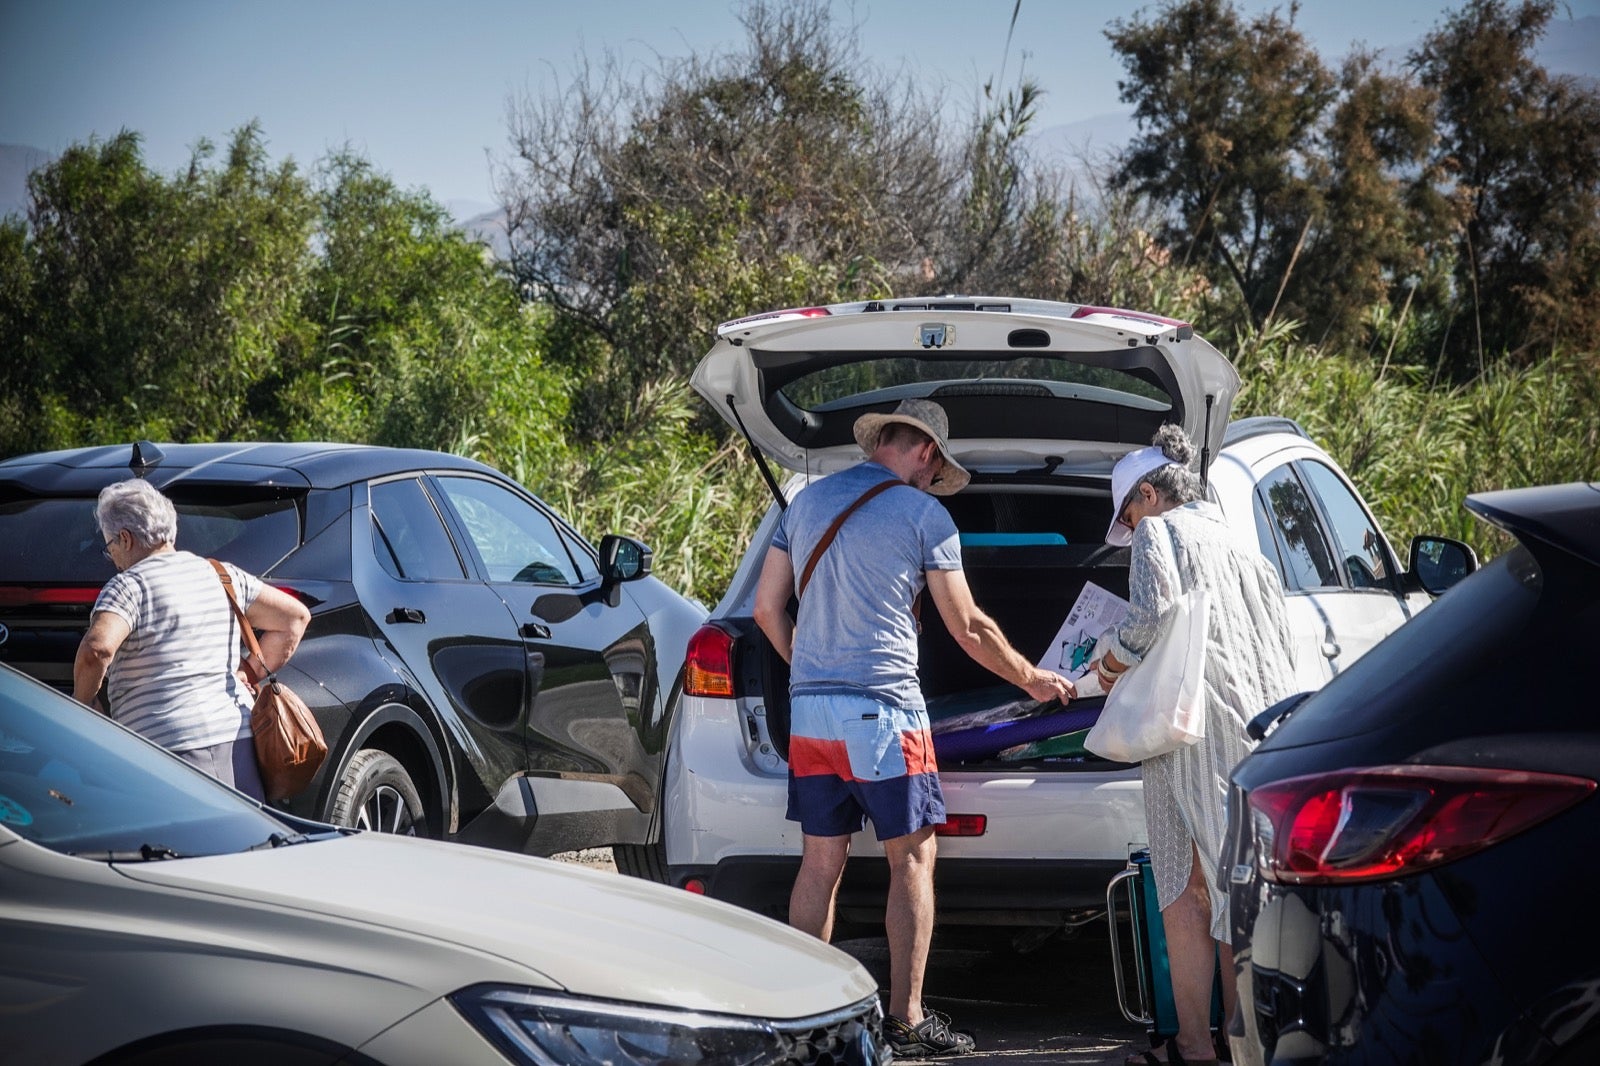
{"points": [[1265, 538], [1363, 558], [56, 539], [516, 541], [408, 537], [75, 783], [1306, 558]]}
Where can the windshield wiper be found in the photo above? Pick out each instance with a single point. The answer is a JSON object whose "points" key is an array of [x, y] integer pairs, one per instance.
{"points": [[279, 840], [144, 853]]}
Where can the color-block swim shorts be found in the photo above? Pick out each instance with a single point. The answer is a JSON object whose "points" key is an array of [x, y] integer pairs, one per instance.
{"points": [[852, 758]]}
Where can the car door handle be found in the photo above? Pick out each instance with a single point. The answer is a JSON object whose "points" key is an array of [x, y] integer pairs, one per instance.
{"points": [[536, 631], [1330, 649], [406, 614]]}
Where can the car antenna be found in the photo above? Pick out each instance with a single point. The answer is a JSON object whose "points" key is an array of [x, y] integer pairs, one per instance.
{"points": [[146, 457], [761, 463], [1205, 447]]}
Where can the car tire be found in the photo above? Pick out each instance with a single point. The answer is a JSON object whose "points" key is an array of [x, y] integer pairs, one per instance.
{"points": [[375, 792], [648, 862]]}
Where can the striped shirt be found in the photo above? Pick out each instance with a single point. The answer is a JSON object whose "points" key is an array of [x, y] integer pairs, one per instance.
{"points": [[173, 678]]}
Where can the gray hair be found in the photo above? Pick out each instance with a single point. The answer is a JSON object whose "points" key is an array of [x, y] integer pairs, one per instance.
{"points": [[137, 506], [1174, 481]]}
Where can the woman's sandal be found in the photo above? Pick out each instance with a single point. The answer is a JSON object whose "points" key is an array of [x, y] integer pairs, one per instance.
{"points": [[1148, 1058]]}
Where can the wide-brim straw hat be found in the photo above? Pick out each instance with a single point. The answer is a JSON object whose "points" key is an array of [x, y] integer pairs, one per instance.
{"points": [[931, 419]]}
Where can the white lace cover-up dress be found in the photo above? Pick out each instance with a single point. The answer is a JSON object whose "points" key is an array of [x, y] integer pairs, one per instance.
{"points": [[1249, 666]]}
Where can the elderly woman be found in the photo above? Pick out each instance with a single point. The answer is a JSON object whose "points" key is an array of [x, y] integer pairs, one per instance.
{"points": [[164, 632], [1180, 543]]}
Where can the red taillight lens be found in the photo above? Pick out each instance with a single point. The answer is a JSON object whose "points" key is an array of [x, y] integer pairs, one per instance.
{"points": [[962, 825], [16, 596], [708, 669], [1394, 821]]}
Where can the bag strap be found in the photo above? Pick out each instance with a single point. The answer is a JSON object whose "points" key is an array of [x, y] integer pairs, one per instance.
{"points": [[260, 668], [833, 531]]}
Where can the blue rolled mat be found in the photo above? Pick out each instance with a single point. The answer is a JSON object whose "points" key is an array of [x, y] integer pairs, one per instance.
{"points": [[984, 741]]}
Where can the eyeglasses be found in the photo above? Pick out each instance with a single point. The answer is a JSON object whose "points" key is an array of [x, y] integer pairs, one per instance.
{"points": [[1122, 516], [106, 551]]}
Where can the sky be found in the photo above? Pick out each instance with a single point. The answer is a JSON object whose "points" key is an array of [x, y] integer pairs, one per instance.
{"points": [[421, 89]]}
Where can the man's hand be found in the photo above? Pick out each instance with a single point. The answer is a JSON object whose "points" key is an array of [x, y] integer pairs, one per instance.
{"points": [[1045, 685]]}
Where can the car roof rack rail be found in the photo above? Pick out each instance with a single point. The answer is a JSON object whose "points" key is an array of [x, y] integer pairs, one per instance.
{"points": [[1245, 428]]}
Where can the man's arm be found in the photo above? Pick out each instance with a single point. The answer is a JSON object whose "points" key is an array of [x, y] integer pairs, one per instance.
{"points": [[773, 590], [282, 620], [98, 647], [981, 638]]}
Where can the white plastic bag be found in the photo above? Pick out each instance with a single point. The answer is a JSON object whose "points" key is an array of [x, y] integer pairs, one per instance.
{"points": [[1159, 703]]}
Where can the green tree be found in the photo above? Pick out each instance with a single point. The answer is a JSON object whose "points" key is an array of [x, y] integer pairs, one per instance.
{"points": [[1521, 151], [1228, 112], [1376, 238], [242, 299], [647, 212], [146, 305]]}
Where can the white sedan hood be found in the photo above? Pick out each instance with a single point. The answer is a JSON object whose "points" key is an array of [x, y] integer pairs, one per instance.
{"points": [[441, 916], [1027, 384]]}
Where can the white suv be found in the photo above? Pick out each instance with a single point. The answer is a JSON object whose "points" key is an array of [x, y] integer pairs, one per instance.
{"points": [[1042, 398]]}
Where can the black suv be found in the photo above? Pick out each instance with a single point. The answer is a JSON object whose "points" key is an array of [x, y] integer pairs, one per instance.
{"points": [[481, 672]]}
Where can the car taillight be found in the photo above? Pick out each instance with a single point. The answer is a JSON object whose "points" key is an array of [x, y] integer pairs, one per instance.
{"points": [[16, 596], [1393, 821], [708, 669], [962, 825]]}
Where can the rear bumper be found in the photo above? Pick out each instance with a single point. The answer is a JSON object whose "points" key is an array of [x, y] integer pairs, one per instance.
{"points": [[1018, 892]]}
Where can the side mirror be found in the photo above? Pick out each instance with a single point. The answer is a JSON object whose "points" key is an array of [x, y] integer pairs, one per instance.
{"points": [[1438, 563], [623, 559]]}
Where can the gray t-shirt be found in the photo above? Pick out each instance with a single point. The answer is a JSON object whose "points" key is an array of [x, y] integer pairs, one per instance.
{"points": [[855, 633], [173, 678]]}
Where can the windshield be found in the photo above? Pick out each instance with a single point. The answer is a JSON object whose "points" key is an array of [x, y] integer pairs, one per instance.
{"points": [[852, 384], [55, 540], [76, 783]]}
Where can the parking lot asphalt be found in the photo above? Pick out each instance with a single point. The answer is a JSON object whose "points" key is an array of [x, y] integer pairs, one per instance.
{"points": [[1026, 1005]]}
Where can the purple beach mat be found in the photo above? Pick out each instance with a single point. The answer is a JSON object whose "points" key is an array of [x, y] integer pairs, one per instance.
{"points": [[985, 741]]}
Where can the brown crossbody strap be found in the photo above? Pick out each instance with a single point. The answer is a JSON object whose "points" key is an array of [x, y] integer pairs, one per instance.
{"points": [[257, 668], [833, 531]]}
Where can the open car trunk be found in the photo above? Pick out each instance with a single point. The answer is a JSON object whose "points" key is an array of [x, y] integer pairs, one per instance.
{"points": [[1027, 556]]}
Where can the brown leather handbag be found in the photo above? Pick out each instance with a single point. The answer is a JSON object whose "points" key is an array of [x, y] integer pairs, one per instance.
{"points": [[288, 741]]}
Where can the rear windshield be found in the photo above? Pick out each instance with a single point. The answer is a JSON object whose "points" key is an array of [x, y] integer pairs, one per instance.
{"points": [[875, 380], [55, 540]]}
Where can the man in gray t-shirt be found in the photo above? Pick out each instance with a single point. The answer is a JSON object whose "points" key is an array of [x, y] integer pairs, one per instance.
{"points": [[860, 747]]}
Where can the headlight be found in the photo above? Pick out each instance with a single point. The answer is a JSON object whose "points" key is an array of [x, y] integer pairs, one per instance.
{"points": [[549, 1029]]}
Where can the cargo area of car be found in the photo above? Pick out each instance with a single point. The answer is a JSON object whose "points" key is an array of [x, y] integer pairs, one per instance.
{"points": [[1027, 556]]}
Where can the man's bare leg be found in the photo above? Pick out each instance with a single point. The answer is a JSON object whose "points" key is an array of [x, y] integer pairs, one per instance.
{"points": [[816, 886], [909, 919]]}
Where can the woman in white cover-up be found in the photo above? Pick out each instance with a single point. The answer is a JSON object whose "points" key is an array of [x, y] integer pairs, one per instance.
{"points": [[1180, 542]]}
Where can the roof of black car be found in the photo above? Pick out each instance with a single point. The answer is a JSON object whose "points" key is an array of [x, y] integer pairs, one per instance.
{"points": [[297, 464]]}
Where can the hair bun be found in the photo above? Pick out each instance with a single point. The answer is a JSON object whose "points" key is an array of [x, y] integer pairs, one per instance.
{"points": [[1174, 443]]}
